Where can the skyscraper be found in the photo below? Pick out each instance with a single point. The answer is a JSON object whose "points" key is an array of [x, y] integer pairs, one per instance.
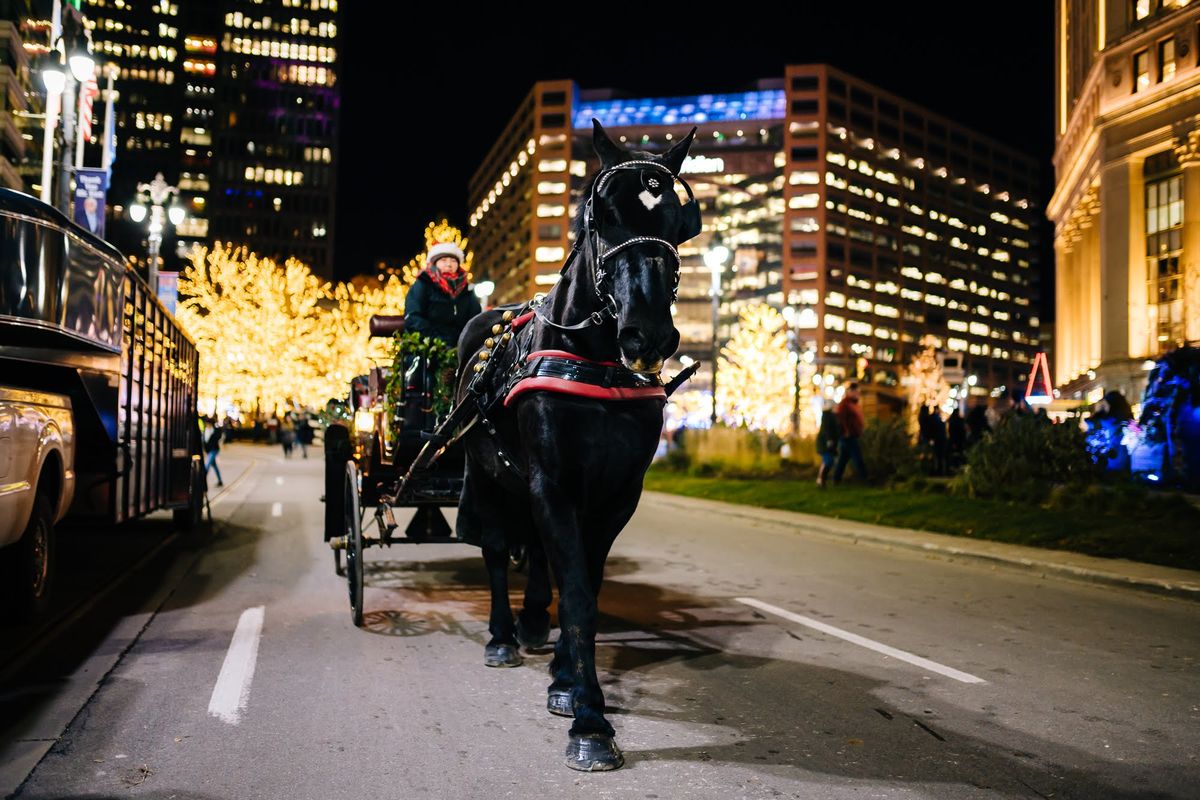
{"points": [[236, 103], [869, 221]]}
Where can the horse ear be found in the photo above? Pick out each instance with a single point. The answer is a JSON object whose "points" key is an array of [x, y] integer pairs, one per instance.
{"points": [[608, 150], [673, 158]]}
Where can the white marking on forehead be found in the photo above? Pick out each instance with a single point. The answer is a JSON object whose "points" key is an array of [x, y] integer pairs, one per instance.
{"points": [[649, 200]]}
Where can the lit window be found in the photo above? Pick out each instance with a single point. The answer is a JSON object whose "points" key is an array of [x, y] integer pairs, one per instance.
{"points": [[549, 254], [836, 299], [552, 165], [858, 328], [804, 201], [835, 323], [1166, 60], [549, 210], [1141, 9], [804, 177], [1141, 71], [551, 187]]}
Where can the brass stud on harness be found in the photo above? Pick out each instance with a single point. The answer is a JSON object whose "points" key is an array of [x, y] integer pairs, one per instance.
{"points": [[484, 355], [479, 367], [507, 336], [497, 328], [489, 343], [508, 315]]}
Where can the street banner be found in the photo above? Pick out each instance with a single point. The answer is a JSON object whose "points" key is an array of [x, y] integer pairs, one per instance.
{"points": [[168, 289], [90, 188]]}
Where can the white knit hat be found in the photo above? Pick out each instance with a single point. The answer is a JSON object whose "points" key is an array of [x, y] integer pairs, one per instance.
{"points": [[445, 249]]}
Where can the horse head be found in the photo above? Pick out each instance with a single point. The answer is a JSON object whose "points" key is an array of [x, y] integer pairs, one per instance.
{"points": [[635, 221]]}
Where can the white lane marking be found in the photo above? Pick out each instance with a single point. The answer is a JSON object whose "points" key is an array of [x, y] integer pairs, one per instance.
{"points": [[862, 641], [279, 480], [277, 509], [232, 691]]}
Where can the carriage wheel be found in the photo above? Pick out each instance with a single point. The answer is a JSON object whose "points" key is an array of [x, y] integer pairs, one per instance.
{"points": [[354, 544]]}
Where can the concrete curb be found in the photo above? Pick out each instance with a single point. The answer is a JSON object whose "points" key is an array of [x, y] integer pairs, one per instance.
{"points": [[1149, 578]]}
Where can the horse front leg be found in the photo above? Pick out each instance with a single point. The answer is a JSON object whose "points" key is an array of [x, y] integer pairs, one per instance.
{"points": [[591, 743]]}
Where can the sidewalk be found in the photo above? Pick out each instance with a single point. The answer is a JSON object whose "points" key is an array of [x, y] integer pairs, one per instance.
{"points": [[1179, 583]]}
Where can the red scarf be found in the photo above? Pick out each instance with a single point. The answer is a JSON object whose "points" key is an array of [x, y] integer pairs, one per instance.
{"points": [[452, 286]]}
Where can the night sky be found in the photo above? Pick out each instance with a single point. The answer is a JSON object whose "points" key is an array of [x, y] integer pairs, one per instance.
{"points": [[448, 88]]}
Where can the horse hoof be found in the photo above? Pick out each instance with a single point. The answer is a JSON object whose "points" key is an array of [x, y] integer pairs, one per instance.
{"points": [[558, 702], [594, 752], [532, 640], [501, 655]]}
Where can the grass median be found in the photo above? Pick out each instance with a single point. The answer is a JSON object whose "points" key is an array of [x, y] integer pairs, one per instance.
{"points": [[1169, 536]]}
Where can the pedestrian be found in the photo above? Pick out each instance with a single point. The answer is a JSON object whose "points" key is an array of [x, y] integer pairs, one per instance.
{"points": [[851, 424], [304, 433], [212, 446], [978, 424], [287, 435], [827, 443], [938, 441], [958, 437]]}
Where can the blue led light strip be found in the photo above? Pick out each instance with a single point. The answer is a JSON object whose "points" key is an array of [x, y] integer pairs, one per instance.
{"points": [[771, 104]]}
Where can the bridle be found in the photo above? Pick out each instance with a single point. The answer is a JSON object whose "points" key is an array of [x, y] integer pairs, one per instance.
{"points": [[601, 254]]}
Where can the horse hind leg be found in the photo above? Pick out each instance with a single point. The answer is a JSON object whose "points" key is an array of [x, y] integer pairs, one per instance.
{"points": [[533, 620], [480, 510]]}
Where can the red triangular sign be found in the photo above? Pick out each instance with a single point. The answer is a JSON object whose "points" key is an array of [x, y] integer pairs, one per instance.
{"points": [[1039, 374]]}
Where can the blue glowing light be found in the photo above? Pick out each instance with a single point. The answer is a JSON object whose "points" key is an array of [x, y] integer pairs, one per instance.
{"points": [[1151, 476], [769, 104]]}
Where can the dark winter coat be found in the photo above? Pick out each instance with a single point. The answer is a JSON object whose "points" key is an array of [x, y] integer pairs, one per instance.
{"points": [[432, 312], [828, 434], [850, 418]]}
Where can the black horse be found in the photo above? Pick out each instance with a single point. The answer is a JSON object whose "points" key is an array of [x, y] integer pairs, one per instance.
{"points": [[563, 472]]}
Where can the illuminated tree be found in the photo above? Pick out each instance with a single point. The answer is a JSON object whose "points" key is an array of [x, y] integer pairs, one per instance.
{"points": [[434, 232], [757, 374], [256, 325], [347, 348], [272, 336], [926, 384]]}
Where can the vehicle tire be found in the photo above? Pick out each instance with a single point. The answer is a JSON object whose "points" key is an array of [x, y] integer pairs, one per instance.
{"points": [[190, 521], [27, 567], [354, 544]]}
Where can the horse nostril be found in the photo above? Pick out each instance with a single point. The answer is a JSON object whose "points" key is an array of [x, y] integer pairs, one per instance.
{"points": [[632, 340]]}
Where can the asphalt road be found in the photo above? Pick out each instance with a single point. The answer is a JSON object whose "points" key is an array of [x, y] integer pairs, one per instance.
{"points": [[739, 658]]}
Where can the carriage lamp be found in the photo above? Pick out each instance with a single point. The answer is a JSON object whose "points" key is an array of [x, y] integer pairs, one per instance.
{"points": [[364, 421]]}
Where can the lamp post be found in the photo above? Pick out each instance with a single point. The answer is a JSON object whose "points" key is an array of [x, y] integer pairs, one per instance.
{"points": [[714, 258], [158, 191], [69, 39]]}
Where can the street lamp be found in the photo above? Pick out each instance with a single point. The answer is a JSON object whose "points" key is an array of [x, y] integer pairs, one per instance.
{"points": [[54, 78], [483, 290], [714, 258], [158, 191]]}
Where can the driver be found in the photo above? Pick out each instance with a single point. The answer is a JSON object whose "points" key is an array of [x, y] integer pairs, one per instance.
{"points": [[440, 302]]}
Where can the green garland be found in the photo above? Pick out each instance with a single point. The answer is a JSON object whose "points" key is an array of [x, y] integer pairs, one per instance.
{"points": [[441, 358]]}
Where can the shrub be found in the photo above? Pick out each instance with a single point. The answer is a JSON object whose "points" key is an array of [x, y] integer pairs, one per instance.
{"points": [[732, 453], [1024, 458], [887, 450]]}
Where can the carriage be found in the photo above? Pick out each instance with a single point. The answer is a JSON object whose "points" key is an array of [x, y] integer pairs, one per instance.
{"points": [[369, 459]]}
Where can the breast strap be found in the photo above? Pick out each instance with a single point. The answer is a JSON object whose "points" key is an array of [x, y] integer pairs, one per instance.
{"points": [[566, 373]]}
